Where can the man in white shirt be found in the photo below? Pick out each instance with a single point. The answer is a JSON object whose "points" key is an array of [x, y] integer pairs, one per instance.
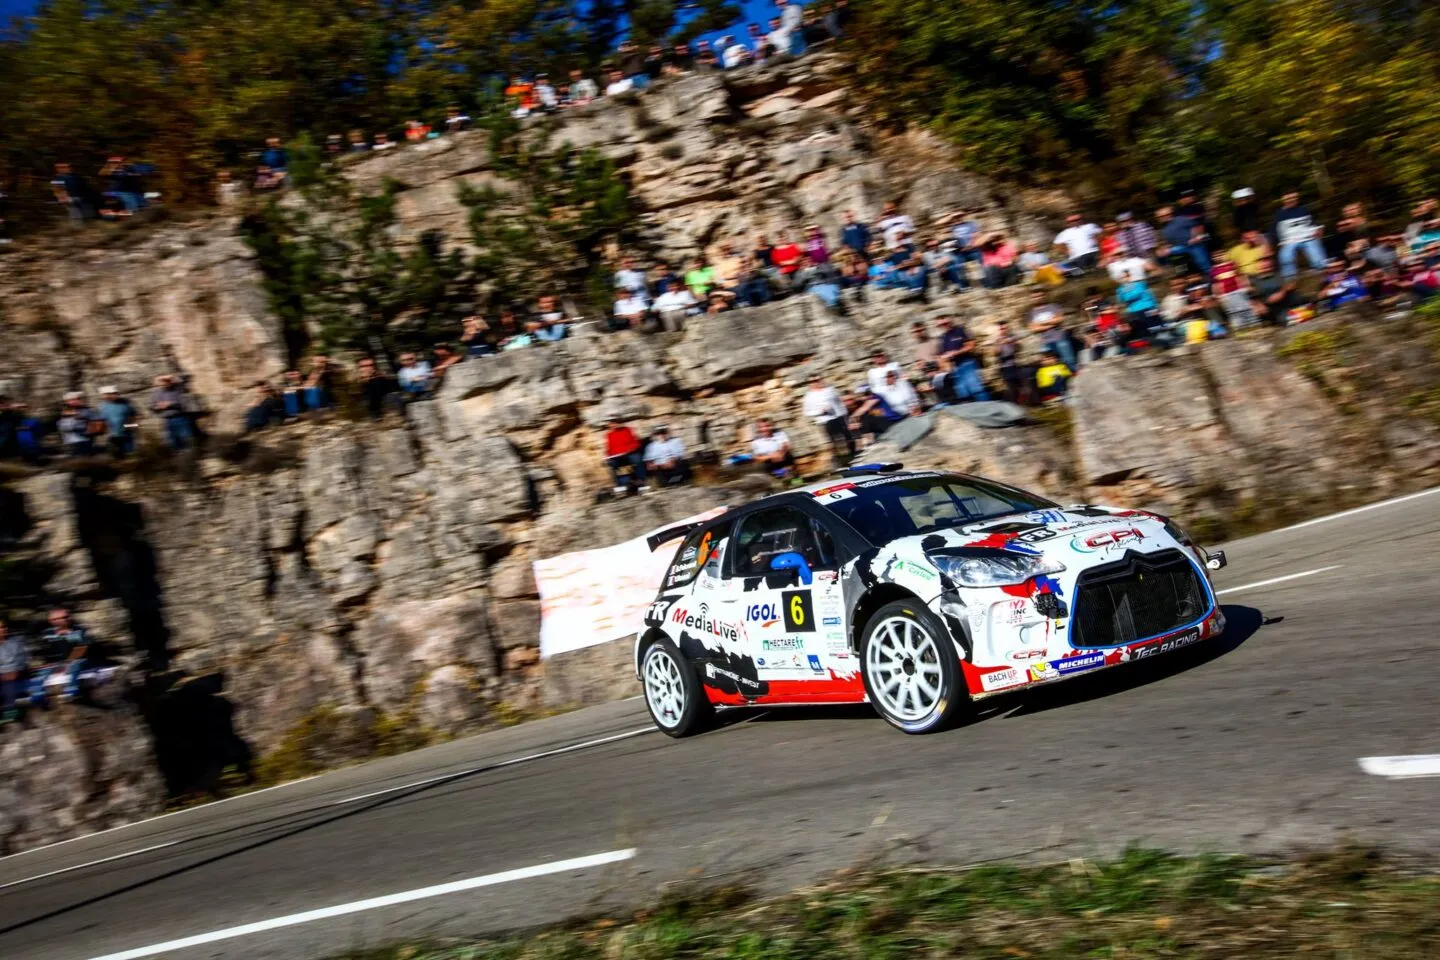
{"points": [[665, 458], [1078, 240], [881, 366], [894, 226], [1127, 269], [631, 280], [630, 311], [733, 53], [791, 18], [899, 394], [674, 305], [778, 37], [826, 408], [619, 83], [771, 449]]}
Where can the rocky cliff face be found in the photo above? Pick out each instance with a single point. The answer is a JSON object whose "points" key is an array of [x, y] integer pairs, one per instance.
{"points": [[381, 573]]}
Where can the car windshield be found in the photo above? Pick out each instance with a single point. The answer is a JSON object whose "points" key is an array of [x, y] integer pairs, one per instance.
{"points": [[887, 508]]}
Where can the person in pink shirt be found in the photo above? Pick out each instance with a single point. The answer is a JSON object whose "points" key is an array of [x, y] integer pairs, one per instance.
{"points": [[997, 258]]}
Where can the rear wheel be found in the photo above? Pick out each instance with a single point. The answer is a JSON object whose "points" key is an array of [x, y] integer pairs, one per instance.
{"points": [[910, 668], [673, 693]]}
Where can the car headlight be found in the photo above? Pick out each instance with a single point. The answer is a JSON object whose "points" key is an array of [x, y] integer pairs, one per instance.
{"points": [[993, 568]]}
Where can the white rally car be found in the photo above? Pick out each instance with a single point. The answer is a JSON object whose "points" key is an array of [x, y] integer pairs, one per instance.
{"points": [[915, 592]]}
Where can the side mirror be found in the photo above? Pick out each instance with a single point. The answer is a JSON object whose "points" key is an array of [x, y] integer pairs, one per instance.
{"points": [[793, 561], [1214, 561]]}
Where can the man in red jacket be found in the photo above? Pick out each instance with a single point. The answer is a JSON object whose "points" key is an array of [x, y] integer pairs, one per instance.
{"points": [[622, 452]]}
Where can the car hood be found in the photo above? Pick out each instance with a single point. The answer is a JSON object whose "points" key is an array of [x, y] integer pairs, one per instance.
{"points": [[1086, 529]]}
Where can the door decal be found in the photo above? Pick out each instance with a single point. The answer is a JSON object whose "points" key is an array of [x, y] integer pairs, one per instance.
{"points": [[799, 614]]}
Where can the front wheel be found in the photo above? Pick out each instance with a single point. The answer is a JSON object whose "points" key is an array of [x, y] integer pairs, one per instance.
{"points": [[910, 668], [673, 694]]}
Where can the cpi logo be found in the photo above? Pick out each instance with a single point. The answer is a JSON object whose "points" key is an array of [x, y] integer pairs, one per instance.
{"points": [[1107, 539]]}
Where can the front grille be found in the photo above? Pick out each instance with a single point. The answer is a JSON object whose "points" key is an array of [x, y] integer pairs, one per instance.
{"points": [[1136, 598]]}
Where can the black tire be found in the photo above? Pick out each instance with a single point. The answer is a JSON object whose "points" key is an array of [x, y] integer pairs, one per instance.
{"points": [[918, 710], [695, 711]]}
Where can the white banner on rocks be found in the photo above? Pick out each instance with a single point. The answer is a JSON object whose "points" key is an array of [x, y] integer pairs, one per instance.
{"points": [[591, 597]]}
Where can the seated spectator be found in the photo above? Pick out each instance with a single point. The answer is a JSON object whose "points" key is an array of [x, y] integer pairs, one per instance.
{"points": [[582, 89], [228, 190], [1124, 268], [872, 416], [1247, 254], [623, 457], [786, 255], [855, 235], [1272, 297], [1231, 288], [700, 278], [899, 395], [455, 119], [29, 432], [319, 383], [1342, 286], [377, 389], [1139, 302], [654, 63], [475, 337], [631, 280], [1078, 241], [358, 143], [1035, 266], [512, 335], [923, 347], [267, 409], [997, 260], [820, 280], [619, 83], [1048, 321], [14, 661], [764, 254], [1184, 241], [956, 348], [705, 59], [815, 247], [70, 189], [1137, 238], [630, 312], [771, 450], [824, 406], [854, 274], [9, 429], [674, 305], [733, 53], [119, 416], [720, 301], [276, 157], [760, 49], [1197, 317], [881, 366], [78, 425], [383, 142], [553, 326], [665, 458], [753, 285], [123, 185], [1052, 377], [681, 60], [416, 132], [292, 395], [63, 651], [546, 97], [728, 267], [415, 376], [445, 358]]}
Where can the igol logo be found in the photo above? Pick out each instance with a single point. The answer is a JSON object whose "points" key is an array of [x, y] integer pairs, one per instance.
{"points": [[766, 613]]}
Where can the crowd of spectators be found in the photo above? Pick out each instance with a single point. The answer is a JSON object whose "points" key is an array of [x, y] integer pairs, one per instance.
{"points": [[80, 428], [61, 667]]}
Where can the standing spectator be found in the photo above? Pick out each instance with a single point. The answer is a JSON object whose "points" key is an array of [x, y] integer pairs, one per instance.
{"points": [[654, 63], [681, 59], [753, 286], [665, 458], [546, 98], [1007, 359], [786, 255], [228, 190], [14, 660], [824, 406], [957, 348], [895, 227], [276, 157], [792, 17], [1052, 377], [618, 84], [673, 307], [733, 53], [119, 417], [881, 366], [77, 425], [9, 429], [631, 60], [456, 119], [765, 253], [622, 455], [1230, 288], [1078, 240], [1247, 254], [760, 49], [1272, 296], [1244, 211], [292, 394], [64, 648], [1297, 232], [815, 247], [778, 38], [771, 450], [666, 279], [122, 184], [415, 376], [700, 278], [445, 358], [705, 59], [266, 410], [68, 188], [169, 401], [728, 268], [475, 337], [855, 235], [1047, 320], [1185, 239], [1352, 231], [1137, 238], [582, 88], [631, 280]]}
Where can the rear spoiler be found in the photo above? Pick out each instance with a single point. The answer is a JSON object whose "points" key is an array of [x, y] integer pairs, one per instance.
{"points": [[673, 533]]}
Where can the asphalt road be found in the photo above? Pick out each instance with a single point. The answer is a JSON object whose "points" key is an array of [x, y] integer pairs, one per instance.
{"points": [[1248, 744]]}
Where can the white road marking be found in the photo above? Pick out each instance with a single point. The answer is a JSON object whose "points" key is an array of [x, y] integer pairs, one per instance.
{"points": [[1399, 768], [1350, 513], [92, 863], [375, 903], [163, 816], [1290, 576], [641, 731]]}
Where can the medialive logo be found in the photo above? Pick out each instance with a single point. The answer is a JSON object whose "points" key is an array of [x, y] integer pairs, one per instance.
{"points": [[704, 623]]}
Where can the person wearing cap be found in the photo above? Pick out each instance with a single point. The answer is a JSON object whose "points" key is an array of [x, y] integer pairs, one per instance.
{"points": [[1244, 211], [665, 458], [119, 416], [826, 409], [75, 425]]}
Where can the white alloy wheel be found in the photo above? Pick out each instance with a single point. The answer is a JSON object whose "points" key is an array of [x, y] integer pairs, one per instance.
{"points": [[664, 688], [903, 663]]}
